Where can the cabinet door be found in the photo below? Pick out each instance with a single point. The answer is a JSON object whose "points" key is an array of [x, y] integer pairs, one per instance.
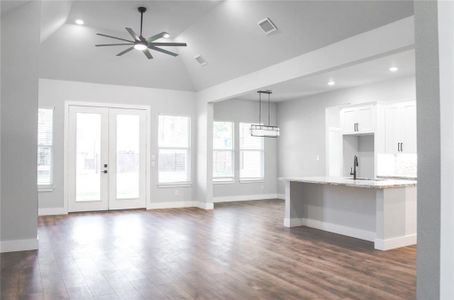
{"points": [[365, 119], [392, 129], [349, 119], [408, 124]]}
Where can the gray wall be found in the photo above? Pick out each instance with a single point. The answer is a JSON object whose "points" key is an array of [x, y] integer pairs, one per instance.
{"points": [[54, 93], [302, 123], [19, 106], [434, 27], [247, 111]]}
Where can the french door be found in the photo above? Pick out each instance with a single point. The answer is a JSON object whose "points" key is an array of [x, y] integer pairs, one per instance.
{"points": [[107, 158]]}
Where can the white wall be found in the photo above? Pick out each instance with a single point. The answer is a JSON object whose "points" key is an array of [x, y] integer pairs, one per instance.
{"points": [[247, 111], [302, 123], [20, 33], [54, 93]]}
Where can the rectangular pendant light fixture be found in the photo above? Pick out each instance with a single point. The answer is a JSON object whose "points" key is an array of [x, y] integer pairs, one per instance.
{"points": [[262, 130]]}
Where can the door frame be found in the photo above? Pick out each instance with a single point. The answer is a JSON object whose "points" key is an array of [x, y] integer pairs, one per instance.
{"points": [[66, 164]]}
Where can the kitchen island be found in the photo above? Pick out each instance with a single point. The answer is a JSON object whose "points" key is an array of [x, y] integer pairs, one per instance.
{"points": [[382, 211]]}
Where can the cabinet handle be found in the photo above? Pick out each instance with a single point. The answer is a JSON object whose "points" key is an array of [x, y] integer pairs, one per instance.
{"points": [[398, 147], [355, 127], [401, 147]]}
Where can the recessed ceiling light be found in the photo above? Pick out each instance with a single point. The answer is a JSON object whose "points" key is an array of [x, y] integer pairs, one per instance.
{"points": [[80, 22], [166, 35], [393, 69], [331, 82]]}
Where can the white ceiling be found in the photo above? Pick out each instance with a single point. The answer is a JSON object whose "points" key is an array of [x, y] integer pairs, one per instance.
{"points": [[7, 6], [364, 73], [70, 54], [233, 45], [113, 16], [225, 33]]}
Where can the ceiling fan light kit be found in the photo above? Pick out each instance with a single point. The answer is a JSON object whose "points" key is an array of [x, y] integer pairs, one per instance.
{"points": [[140, 43]]}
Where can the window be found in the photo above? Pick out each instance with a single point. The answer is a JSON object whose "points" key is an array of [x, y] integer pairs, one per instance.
{"points": [[251, 154], [223, 162], [174, 141], [45, 147]]}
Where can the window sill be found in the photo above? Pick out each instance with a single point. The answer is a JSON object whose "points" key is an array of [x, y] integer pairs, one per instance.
{"points": [[174, 185], [225, 181], [258, 180], [44, 189]]}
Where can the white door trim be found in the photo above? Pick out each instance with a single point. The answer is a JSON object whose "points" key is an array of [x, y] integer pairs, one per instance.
{"points": [[66, 164]]}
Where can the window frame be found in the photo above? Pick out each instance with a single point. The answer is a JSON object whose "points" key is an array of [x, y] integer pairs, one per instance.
{"points": [[47, 187], [242, 149], [187, 182], [231, 179]]}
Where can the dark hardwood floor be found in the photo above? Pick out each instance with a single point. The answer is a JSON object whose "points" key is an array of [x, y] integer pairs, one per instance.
{"points": [[238, 251]]}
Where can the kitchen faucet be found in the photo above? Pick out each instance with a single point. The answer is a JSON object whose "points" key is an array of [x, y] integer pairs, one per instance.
{"points": [[355, 164]]}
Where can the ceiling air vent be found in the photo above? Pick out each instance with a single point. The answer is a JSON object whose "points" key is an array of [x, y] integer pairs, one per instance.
{"points": [[267, 26], [200, 60]]}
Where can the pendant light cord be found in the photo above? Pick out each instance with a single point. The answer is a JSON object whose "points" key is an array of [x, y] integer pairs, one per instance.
{"points": [[269, 111], [260, 108]]}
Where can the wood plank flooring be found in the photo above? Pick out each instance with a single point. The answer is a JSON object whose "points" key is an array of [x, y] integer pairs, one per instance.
{"points": [[237, 251]]}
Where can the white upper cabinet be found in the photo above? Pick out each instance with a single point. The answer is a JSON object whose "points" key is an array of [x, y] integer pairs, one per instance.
{"points": [[358, 120], [400, 128]]}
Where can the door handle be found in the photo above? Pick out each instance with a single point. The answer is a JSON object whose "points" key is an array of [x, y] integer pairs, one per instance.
{"points": [[105, 171]]}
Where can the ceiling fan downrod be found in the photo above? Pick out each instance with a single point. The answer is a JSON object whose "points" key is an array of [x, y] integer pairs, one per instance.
{"points": [[142, 10]]}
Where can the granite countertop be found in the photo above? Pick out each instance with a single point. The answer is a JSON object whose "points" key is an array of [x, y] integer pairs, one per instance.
{"points": [[361, 183]]}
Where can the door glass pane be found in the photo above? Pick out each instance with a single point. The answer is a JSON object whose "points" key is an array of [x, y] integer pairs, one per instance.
{"points": [[128, 156], [88, 157]]}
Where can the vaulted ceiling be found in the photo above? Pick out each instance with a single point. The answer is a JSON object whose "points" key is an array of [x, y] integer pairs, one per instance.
{"points": [[225, 33]]}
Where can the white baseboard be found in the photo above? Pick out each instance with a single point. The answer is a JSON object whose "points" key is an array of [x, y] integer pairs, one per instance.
{"points": [[245, 198], [335, 228], [396, 242], [205, 205], [53, 211], [18, 245], [179, 204]]}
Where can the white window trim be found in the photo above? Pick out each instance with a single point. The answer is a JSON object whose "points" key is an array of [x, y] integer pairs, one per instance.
{"points": [[262, 150], [186, 183], [226, 179], [49, 187]]}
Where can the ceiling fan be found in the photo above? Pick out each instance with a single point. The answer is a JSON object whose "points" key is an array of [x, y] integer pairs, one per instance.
{"points": [[142, 44]]}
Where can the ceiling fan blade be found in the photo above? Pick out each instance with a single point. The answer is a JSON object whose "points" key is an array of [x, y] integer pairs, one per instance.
{"points": [[114, 37], [147, 54], [169, 44], [125, 51], [133, 34], [156, 37], [104, 45], [162, 50]]}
